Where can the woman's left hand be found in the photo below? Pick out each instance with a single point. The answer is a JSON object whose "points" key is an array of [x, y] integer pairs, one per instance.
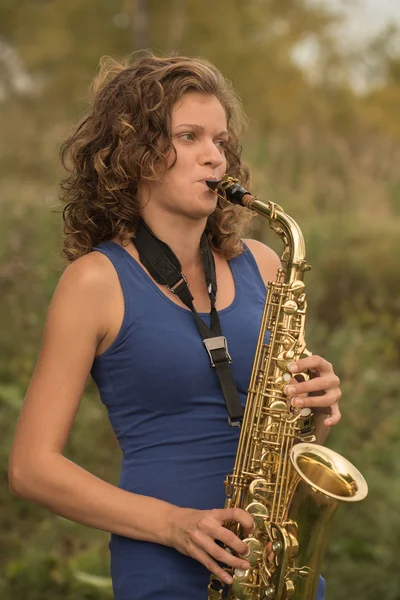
{"points": [[321, 392]]}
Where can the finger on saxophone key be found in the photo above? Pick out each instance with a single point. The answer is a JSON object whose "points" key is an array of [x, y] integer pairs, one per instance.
{"points": [[242, 517], [289, 390]]}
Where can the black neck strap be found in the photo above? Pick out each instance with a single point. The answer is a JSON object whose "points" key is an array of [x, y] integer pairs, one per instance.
{"points": [[165, 268]]}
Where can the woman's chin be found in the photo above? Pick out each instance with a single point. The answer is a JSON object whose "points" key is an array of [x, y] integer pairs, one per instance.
{"points": [[204, 212], [201, 207]]}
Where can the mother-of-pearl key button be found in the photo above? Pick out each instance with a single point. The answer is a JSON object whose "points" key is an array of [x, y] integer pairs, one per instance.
{"points": [[240, 573]]}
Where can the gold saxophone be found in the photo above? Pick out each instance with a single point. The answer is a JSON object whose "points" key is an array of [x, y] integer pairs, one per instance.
{"points": [[290, 485]]}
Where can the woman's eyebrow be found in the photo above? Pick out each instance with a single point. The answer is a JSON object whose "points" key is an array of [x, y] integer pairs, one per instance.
{"points": [[198, 128]]}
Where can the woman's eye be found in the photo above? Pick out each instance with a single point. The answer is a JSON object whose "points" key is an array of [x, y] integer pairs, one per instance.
{"points": [[187, 136]]}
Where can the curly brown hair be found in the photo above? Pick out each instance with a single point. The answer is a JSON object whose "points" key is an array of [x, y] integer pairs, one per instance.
{"points": [[126, 137]]}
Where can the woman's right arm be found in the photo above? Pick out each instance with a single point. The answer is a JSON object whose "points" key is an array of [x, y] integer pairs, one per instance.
{"points": [[76, 322]]}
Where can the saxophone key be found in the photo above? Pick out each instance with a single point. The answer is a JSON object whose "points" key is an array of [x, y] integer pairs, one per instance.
{"points": [[259, 491], [290, 589], [254, 552], [269, 593], [277, 547], [297, 287], [290, 307], [260, 514], [245, 584]]}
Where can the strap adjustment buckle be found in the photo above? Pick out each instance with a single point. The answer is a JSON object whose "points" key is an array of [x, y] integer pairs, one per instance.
{"points": [[217, 343], [174, 288]]}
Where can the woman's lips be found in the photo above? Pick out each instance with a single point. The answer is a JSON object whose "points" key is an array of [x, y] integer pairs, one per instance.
{"points": [[203, 181]]}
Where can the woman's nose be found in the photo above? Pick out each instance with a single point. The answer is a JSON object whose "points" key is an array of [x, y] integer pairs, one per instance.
{"points": [[211, 154]]}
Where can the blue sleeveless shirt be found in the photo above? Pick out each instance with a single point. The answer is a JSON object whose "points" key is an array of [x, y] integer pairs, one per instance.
{"points": [[166, 407]]}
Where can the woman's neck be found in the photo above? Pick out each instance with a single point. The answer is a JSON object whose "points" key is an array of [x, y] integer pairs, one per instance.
{"points": [[182, 237]]}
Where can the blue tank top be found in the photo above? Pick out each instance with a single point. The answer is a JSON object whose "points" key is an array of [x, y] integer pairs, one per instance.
{"points": [[166, 407]]}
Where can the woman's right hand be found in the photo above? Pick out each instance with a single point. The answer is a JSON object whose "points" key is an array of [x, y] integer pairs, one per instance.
{"points": [[193, 532]]}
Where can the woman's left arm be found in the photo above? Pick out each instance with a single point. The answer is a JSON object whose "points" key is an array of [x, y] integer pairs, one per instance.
{"points": [[321, 392]]}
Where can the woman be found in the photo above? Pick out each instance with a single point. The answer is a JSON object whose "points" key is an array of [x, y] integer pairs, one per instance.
{"points": [[155, 131]]}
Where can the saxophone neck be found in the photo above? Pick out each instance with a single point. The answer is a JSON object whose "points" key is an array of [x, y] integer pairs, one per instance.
{"points": [[294, 255]]}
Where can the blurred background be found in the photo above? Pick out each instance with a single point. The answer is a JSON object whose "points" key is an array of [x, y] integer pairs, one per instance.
{"points": [[320, 82]]}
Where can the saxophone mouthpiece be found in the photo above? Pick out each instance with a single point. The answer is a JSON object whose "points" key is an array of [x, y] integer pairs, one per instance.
{"points": [[213, 184], [230, 189]]}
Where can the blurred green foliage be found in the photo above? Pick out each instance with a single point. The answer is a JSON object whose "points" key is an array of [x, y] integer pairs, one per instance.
{"points": [[328, 155]]}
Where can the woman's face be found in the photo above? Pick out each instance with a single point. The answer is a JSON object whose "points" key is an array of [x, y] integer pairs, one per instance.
{"points": [[199, 134]]}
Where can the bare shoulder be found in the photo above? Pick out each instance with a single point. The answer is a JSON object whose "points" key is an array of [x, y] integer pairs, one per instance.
{"points": [[89, 271], [87, 276], [267, 259], [87, 287]]}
